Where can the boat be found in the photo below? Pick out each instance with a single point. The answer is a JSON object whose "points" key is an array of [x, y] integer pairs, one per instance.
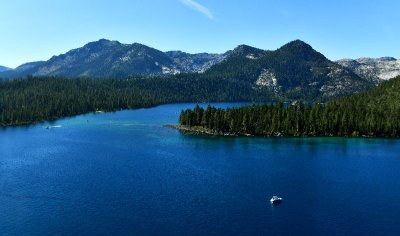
{"points": [[53, 126], [275, 200]]}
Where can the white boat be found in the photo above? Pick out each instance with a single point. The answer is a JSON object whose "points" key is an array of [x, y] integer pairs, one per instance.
{"points": [[53, 126], [275, 199]]}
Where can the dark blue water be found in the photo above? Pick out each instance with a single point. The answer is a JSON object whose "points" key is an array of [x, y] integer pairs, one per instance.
{"points": [[125, 174]]}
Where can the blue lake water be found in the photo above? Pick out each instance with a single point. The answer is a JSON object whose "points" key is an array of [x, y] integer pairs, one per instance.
{"points": [[124, 173]]}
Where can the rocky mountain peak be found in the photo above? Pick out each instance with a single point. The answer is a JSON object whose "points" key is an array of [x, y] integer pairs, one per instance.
{"points": [[247, 51], [105, 43], [297, 45], [387, 59], [374, 69], [301, 50]]}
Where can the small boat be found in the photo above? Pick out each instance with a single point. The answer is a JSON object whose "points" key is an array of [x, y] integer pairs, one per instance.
{"points": [[275, 200], [53, 126]]}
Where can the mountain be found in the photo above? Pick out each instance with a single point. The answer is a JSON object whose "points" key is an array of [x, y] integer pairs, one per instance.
{"points": [[105, 58], [245, 51], [3, 68], [192, 63], [295, 70], [373, 69], [22, 70]]}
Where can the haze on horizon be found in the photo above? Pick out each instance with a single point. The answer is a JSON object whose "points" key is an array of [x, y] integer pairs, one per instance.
{"points": [[37, 30]]}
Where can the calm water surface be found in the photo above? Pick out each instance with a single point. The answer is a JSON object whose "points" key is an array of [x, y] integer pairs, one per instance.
{"points": [[125, 174]]}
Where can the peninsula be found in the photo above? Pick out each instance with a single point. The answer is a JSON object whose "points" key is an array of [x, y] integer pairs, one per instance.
{"points": [[371, 114]]}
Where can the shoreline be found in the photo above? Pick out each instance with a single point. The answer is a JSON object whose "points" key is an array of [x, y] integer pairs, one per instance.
{"points": [[199, 130], [99, 111]]}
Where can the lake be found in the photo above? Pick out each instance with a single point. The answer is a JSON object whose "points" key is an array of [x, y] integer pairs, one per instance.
{"points": [[124, 173]]}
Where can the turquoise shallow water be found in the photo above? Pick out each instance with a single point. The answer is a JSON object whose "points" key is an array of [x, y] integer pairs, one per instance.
{"points": [[124, 173]]}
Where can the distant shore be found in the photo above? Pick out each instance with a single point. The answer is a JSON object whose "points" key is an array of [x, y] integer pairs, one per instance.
{"points": [[199, 130]]}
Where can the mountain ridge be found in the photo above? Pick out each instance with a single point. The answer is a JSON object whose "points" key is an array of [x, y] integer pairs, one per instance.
{"points": [[373, 69], [295, 69], [110, 58], [4, 68]]}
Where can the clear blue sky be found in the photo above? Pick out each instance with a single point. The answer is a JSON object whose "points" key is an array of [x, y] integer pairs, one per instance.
{"points": [[38, 29]]}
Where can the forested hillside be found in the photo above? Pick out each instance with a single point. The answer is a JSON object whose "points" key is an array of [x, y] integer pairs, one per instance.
{"points": [[295, 70], [374, 113], [26, 101]]}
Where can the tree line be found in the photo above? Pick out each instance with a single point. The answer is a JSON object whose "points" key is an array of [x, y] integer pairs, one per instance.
{"points": [[35, 99], [374, 113]]}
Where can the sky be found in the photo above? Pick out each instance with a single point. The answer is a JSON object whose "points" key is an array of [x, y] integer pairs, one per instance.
{"points": [[33, 30]]}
